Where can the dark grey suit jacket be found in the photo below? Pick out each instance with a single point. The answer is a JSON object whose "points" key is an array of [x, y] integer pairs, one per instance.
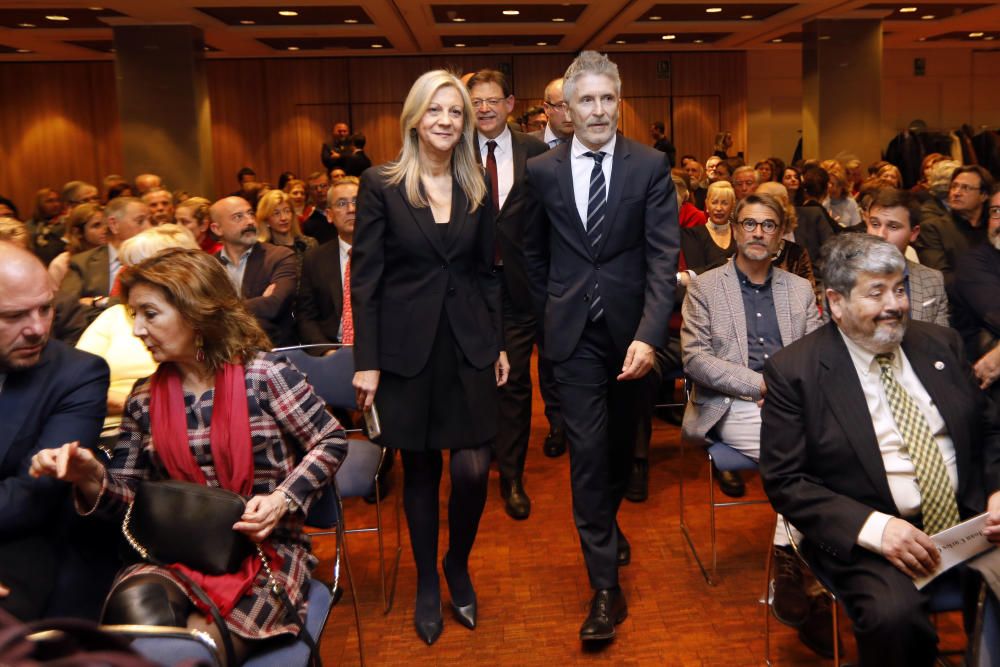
{"points": [[511, 219], [320, 301], [269, 264], [635, 262], [819, 458]]}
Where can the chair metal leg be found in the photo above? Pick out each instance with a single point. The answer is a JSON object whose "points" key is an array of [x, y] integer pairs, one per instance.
{"points": [[388, 591], [834, 608], [342, 548], [767, 601], [711, 519]]}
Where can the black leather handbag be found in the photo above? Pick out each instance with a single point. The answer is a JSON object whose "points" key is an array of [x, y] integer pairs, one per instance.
{"points": [[181, 522]]}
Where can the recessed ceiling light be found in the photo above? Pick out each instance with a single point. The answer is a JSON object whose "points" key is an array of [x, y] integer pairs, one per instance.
{"points": [[907, 10], [288, 12], [25, 25], [206, 48], [655, 18], [558, 20], [96, 9], [989, 38], [292, 48], [619, 41], [975, 34], [921, 39], [57, 17], [350, 20], [541, 43], [747, 17], [713, 10], [458, 19], [111, 50], [670, 37], [824, 37], [776, 40], [699, 41], [511, 12], [927, 17], [460, 45], [24, 50], [247, 22], [376, 45]]}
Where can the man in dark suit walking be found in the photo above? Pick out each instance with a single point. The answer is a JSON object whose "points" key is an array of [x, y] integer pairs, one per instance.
{"points": [[601, 256], [50, 394], [504, 154], [874, 437]]}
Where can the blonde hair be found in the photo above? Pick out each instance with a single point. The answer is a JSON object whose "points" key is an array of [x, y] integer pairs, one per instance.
{"points": [[722, 190], [151, 241], [16, 232], [77, 219], [265, 209], [405, 168]]}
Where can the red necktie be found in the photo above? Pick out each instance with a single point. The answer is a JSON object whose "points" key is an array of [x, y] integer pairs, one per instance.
{"points": [[491, 168], [348, 315]]}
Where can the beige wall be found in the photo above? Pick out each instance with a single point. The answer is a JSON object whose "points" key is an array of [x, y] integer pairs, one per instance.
{"points": [[960, 86]]}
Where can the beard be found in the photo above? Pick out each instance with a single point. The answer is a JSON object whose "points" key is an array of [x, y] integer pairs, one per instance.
{"points": [[995, 237]]}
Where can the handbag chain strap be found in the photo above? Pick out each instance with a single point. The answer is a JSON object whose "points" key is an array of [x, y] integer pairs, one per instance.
{"points": [[290, 612], [130, 538]]}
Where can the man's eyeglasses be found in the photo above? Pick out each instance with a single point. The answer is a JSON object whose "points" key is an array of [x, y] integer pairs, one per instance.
{"points": [[561, 106], [344, 203], [994, 211], [489, 101], [964, 187], [766, 226]]}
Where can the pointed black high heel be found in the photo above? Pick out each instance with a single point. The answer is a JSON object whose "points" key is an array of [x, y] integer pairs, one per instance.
{"points": [[465, 614], [429, 629]]}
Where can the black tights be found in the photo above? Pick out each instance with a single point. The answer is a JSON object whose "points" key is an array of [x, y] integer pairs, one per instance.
{"points": [[469, 469]]}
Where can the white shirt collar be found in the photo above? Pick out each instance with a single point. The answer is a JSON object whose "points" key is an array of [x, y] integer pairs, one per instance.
{"points": [[608, 149], [345, 247], [503, 141], [864, 360]]}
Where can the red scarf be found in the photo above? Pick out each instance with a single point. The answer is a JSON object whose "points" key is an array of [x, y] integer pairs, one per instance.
{"points": [[232, 456]]}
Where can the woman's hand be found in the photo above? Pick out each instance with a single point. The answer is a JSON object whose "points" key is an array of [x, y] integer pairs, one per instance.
{"points": [[365, 386], [501, 368], [987, 369], [70, 463], [4, 591], [261, 515]]}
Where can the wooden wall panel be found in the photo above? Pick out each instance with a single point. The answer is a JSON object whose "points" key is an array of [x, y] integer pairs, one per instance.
{"points": [[274, 115], [60, 126]]}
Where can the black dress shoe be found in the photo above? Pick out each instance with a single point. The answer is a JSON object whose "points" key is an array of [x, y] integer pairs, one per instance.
{"points": [[428, 628], [624, 555], [817, 630], [638, 482], [788, 597], [607, 609], [517, 503], [555, 443], [730, 483], [465, 613]]}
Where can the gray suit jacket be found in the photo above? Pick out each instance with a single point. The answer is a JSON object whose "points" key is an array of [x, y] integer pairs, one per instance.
{"points": [[89, 274], [928, 300], [714, 341]]}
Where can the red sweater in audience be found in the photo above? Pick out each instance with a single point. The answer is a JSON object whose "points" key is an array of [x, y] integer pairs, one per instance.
{"points": [[690, 216]]}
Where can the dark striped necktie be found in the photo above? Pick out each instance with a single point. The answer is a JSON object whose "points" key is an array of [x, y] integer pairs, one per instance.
{"points": [[597, 205]]}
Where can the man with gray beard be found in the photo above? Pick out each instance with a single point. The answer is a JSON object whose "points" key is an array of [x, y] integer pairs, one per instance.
{"points": [[875, 437]]}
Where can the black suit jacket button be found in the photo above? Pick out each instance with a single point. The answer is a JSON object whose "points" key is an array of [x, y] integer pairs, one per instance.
{"points": [[451, 291], [597, 266], [586, 297], [444, 266]]}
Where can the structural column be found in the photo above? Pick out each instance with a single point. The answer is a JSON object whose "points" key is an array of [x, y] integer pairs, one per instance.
{"points": [[163, 104], [842, 88]]}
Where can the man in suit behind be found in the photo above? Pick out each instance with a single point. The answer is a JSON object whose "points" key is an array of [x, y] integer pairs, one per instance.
{"points": [[558, 128], [504, 154], [894, 215], [601, 256], [265, 275], [874, 436], [50, 394], [324, 286]]}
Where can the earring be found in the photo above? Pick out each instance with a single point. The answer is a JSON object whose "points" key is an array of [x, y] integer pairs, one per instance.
{"points": [[199, 345]]}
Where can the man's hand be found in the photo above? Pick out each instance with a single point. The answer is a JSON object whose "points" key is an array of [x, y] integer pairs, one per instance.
{"points": [[992, 529], [909, 548], [4, 591], [501, 368], [638, 361], [763, 393], [270, 290], [987, 369]]}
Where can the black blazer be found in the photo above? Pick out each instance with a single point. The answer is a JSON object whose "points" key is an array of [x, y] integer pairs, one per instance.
{"points": [[269, 264], [510, 221], [320, 301], [635, 262], [819, 457], [404, 271]]}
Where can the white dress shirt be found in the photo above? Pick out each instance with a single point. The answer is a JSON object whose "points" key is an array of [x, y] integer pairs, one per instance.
{"points": [[899, 469], [114, 266], [550, 138], [504, 153], [236, 269], [345, 255], [582, 168]]}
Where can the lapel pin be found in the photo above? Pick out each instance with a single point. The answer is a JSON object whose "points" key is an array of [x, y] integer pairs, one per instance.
{"points": [[939, 365]]}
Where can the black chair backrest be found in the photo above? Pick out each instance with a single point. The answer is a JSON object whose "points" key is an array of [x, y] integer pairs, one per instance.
{"points": [[330, 376]]}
